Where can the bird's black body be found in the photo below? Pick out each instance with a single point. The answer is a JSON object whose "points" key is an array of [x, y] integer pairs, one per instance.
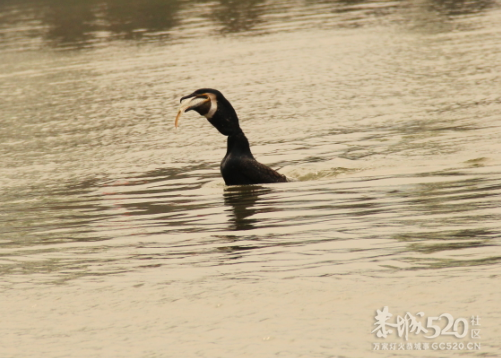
{"points": [[238, 166]]}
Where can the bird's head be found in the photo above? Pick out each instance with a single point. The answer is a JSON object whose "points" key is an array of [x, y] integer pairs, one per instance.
{"points": [[211, 104]]}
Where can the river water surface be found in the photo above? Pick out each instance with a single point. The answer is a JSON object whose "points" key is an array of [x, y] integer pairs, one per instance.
{"points": [[118, 237]]}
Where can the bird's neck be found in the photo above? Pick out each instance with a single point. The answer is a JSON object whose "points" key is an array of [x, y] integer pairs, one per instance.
{"points": [[238, 144]]}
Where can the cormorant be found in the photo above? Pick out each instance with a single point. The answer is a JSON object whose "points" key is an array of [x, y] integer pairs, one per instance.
{"points": [[238, 166]]}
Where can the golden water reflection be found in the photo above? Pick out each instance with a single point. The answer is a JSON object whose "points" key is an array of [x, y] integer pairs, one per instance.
{"points": [[77, 24]]}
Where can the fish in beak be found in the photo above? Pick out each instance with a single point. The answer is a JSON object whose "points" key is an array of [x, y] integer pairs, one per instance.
{"points": [[205, 104]]}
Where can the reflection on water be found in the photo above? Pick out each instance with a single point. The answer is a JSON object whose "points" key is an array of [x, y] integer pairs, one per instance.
{"points": [[238, 16], [243, 201], [386, 113], [90, 157], [460, 7], [83, 23]]}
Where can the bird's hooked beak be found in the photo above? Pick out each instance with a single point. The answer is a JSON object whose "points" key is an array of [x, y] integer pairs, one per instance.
{"points": [[204, 103]]}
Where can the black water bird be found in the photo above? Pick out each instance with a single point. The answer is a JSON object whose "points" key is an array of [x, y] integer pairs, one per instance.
{"points": [[238, 166]]}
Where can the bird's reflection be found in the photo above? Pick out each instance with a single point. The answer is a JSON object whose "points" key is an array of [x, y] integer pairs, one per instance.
{"points": [[242, 200]]}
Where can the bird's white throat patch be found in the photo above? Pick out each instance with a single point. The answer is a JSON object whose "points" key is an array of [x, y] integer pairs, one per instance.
{"points": [[213, 106]]}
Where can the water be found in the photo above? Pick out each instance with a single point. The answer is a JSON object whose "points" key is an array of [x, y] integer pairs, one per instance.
{"points": [[119, 238]]}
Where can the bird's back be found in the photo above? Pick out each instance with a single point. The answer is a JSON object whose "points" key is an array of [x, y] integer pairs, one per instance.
{"points": [[241, 170]]}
